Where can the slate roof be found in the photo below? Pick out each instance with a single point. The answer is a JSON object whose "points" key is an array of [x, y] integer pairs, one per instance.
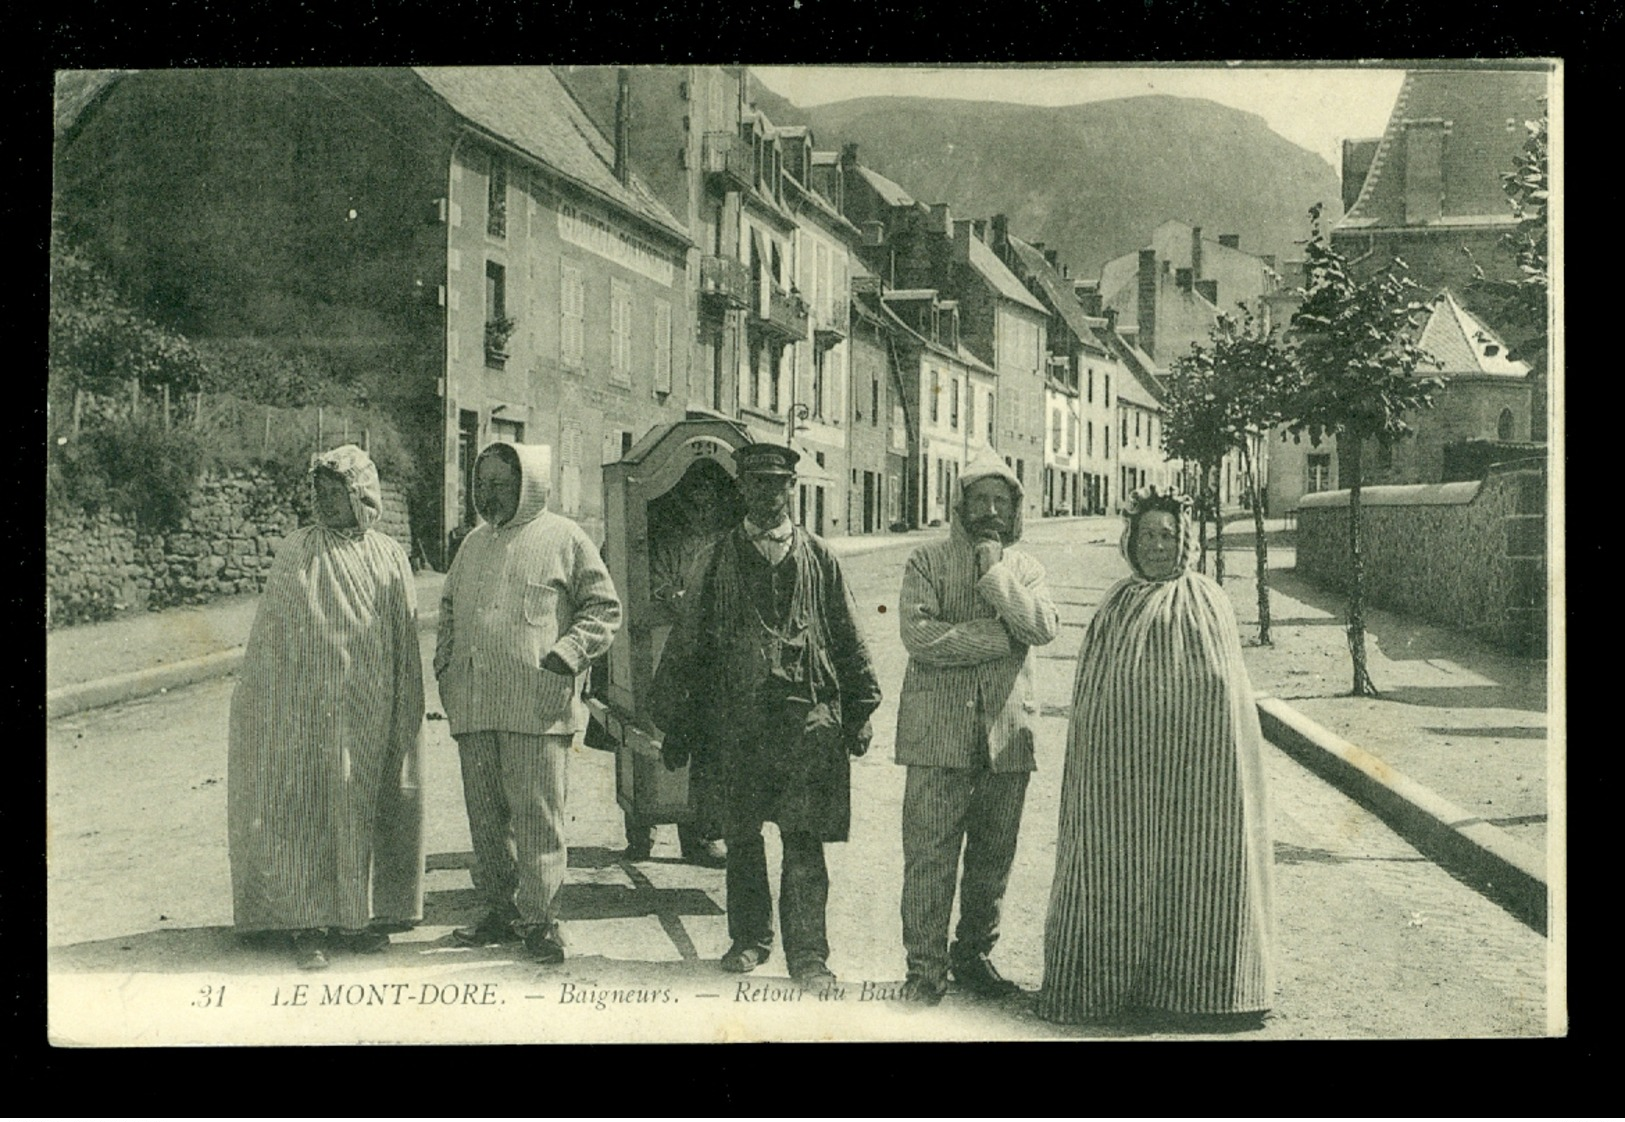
{"points": [[1480, 148], [528, 107], [1464, 344], [890, 193], [1058, 292], [959, 355], [1004, 282]]}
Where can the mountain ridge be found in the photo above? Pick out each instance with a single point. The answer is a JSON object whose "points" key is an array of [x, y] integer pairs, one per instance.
{"points": [[1140, 161]]}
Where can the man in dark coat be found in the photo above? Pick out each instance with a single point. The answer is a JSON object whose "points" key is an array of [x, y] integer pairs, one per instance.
{"points": [[767, 675]]}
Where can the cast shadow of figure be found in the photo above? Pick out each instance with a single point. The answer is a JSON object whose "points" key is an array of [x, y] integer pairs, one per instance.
{"points": [[1490, 677], [222, 950]]}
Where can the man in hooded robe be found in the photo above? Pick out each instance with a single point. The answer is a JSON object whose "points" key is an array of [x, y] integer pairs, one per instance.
{"points": [[526, 608], [971, 610], [323, 808], [767, 674], [1161, 898]]}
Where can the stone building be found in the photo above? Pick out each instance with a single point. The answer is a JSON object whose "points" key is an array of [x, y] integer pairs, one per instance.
{"points": [[1429, 191], [468, 235], [950, 270]]}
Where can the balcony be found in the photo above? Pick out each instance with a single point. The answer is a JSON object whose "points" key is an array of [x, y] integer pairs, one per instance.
{"points": [[827, 326], [785, 316], [724, 284], [729, 161]]}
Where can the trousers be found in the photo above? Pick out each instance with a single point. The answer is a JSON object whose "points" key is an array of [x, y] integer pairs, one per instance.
{"points": [[514, 786], [803, 894], [944, 810]]}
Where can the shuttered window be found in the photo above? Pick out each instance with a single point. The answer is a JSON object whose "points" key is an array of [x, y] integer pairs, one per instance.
{"points": [[662, 347], [620, 334], [572, 314]]}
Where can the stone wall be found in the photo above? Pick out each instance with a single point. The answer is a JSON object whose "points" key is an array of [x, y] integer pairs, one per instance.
{"points": [[100, 565], [1466, 555]]}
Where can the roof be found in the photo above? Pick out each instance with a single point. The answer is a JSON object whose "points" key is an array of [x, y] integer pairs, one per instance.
{"points": [[959, 355], [1478, 104], [890, 193], [528, 107], [1058, 291], [1004, 282], [1464, 344]]}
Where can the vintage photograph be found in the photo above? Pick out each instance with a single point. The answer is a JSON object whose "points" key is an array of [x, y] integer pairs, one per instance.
{"points": [[718, 553]]}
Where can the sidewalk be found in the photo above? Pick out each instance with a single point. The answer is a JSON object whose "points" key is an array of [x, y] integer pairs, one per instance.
{"points": [[1453, 753]]}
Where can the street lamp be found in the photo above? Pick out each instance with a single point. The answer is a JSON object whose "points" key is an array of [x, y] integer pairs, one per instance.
{"points": [[799, 411]]}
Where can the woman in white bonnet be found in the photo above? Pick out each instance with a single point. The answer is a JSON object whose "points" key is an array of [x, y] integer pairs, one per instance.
{"points": [[1161, 900], [323, 810]]}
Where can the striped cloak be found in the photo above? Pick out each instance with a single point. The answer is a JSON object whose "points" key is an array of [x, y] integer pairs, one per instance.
{"points": [[323, 807], [1161, 897]]}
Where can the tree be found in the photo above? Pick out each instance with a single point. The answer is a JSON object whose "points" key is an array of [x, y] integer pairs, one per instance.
{"points": [[1194, 429], [1356, 341], [1521, 304], [98, 342], [1223, 398]]}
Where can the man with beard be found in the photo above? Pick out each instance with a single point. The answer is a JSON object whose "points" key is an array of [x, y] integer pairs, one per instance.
{"points": [[767, 674], [971, 609], [527, 606]]}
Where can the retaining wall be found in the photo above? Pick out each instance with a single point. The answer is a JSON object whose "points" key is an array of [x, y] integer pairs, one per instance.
{"points": [[101, 565], [1466, 555]]}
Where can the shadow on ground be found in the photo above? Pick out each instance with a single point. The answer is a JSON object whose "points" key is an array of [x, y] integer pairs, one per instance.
{"points": [[223, 950]]}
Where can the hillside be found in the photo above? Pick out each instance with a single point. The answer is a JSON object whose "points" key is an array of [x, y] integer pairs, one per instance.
{"points": [[1090, 180]]}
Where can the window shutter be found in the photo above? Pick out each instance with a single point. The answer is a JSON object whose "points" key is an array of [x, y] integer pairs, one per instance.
{"points": [[662, 347]]}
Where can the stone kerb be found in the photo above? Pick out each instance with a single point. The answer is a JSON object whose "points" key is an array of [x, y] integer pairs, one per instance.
{"points": [[1465, 555], [101, 565]]}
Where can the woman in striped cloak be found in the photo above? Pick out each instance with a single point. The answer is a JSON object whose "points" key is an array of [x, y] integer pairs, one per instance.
{"points": [[1161, 898], [323, 810]]}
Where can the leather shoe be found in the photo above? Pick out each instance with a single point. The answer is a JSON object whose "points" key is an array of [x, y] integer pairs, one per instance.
{"points": [[496, 926], [710, 853], [742, 958], [310, 950], [979, 976], [365, 941], [545, 944], [815, 978], [922, 991]]}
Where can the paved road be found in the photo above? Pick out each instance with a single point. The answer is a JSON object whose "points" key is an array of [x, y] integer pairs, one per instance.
{"points": [[1375, 941]]}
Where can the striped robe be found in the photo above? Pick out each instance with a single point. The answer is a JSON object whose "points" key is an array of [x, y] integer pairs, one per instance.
{"points": [[323, 807], [1161, 897]]}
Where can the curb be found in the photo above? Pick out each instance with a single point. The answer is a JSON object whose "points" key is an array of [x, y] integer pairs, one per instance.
{"points": [[1491, 862], [64, 701]]}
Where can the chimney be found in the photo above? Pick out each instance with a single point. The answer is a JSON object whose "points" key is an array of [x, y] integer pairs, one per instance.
{"points": [[979, 228], [941, 220], [1424, 170], [1066, 272], [1183, 278], [962, 233], [1001, 234], [1196, 252], [1053, 257], [623, 123], [1209, 289], [1148, 298], [849, 155], [1230, 241]]}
